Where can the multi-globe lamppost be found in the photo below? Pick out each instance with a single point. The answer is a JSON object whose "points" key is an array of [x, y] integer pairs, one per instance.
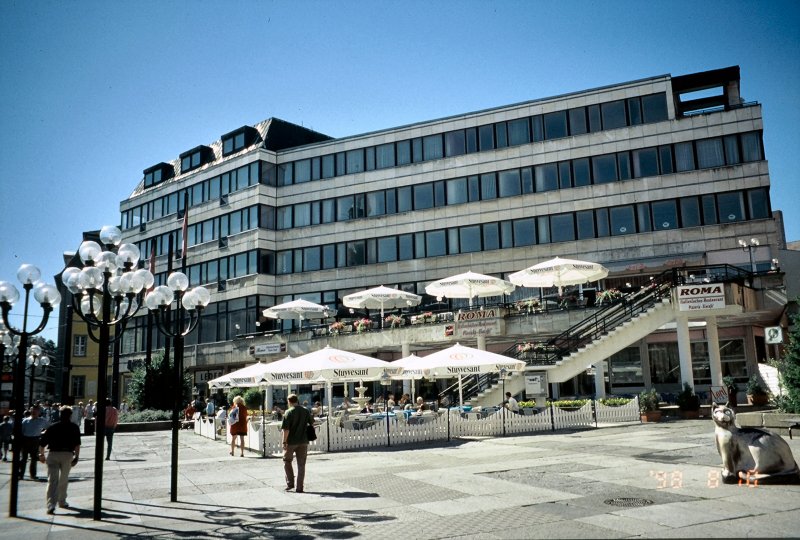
{"points": [[36, 358], [48, 297], [177, 324], [104, 296]]}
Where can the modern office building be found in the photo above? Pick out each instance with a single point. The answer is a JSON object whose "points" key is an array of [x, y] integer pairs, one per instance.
{"points": [[662, 173]]}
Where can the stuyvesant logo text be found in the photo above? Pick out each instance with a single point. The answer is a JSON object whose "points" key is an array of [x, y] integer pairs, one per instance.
{"points": [[466, 369], [350, 372], [296, 375]]}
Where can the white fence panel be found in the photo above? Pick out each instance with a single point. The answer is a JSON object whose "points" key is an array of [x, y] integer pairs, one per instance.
{"points": [[415, 429], [624, 413], [518, 423], [354, 436], [567, 419], [206, 427]]}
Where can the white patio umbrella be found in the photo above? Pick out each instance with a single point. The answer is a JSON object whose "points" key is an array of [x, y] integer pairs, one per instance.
{"points": [[336, 365], [381, 297], [288, 371], [297, 309], [247, 376], [469, 285], [459, 360], [559, 272]]}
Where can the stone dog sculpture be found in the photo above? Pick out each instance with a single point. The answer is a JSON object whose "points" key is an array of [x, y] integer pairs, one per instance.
{"points": [[752, 454]]}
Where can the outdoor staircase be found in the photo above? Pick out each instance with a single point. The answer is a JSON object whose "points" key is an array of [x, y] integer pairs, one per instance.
{"points": [[600, 335]]}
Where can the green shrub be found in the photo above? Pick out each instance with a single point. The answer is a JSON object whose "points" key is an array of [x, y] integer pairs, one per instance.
{"points": [[564, 403], [649, 400], [252, 398], [687, 399], [147, 415], [615, 401], [523, 404]]}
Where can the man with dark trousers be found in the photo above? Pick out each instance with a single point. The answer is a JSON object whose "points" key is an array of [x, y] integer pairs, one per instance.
{"points": [[32, 427], [295, 442], [64, 441]]}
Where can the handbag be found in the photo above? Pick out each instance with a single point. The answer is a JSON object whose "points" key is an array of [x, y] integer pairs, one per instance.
{"points": [[311, 433]]}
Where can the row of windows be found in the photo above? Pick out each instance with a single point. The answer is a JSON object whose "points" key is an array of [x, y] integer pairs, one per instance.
{"points": [[554, 125], [207, 190], [666, 159], [566, 227], [209, 230]]}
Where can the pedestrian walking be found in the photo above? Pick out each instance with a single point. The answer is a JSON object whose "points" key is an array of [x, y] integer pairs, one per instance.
{"points": [[32, 428], [295, 442], [210, 408], [6, 430], [112, 418], [63, 439], [237, 420], [123, 407]]}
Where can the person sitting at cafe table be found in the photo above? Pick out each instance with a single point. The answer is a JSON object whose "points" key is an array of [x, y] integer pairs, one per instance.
{"points": [[511, 404], [421, 405], [345, 404], [390, 403], [188, 413], [316, 410]]}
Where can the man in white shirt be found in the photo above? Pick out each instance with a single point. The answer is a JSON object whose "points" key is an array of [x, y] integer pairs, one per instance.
{"points": [[511, 403]]}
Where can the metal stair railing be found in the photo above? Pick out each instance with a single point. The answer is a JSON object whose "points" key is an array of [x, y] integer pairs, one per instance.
{"points": [[606, 319]]}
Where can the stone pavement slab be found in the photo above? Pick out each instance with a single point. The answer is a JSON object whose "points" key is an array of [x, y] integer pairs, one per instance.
{"points": [[545, 485]]}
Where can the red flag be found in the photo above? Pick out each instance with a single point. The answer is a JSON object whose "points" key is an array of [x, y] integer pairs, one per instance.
{"points": [[152, 263], [185, 224]]}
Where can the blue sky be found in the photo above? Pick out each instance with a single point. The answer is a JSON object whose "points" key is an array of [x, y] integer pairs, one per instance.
{"points": [[92, 92]]}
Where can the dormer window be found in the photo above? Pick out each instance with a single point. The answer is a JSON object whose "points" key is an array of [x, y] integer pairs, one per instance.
{"points": [[157, 174], [241, 138], [195, 158]]}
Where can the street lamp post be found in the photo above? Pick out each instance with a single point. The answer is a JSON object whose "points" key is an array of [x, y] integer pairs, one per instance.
{"points": [[386, 380], [177, 326], [104, 296], [48, 297], [750, 247], [502, 376], [36, 358]]}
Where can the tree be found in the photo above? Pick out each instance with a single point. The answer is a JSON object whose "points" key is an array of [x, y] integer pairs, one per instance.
{"points": [[153, 388], [789, 370]]}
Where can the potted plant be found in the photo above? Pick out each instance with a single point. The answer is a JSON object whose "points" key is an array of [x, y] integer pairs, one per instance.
{"points": [[648, 405], [362, 325], [530, 305], [395, 321], [756, 393], [608, 297], [688, 402], [730, 386], [335, 328]]}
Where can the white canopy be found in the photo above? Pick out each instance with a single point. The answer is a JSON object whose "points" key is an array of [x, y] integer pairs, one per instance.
{"points": [[297, 309], [469, 285], [413, 367], [335, 365], [247, 376], [381, 297], [559, 272], [460, 360]]}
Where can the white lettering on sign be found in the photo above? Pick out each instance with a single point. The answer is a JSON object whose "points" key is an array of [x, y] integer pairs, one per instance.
{"points": [[700, 297]]}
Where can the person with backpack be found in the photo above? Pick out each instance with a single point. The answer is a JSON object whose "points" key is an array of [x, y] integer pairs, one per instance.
{"points": [[295, 442], [237, 420]]}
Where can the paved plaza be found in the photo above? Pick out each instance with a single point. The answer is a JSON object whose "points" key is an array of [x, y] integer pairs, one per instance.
{"points": [[639, 480]]}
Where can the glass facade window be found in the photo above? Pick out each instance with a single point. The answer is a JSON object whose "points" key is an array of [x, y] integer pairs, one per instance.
{"points": [[403, 152], [472, 140], [730, 206], [432, 147], [710, 153], [435, 244], [613, 114], [622, 220], [509, 183], [519, 132], [585, 222], [384, 156], [665, 215], [455, 143], [546, 177], [625, 368], [486, 137], [387, 249], [709, 210], [690, 212], [470, 239], [555, 125], [404, 201], [581, 173], [654, 108], [423, 196], [684, 157], [376, 203], [524, 232], [577, 121], [758, 203], [355, 161], [562, 228], [604, 169], [488, 186], [405, 244], [595, 125], [645, 162], [491, 236], [457, 191], [731, 143], [751, 147], [635, 111], [500, 135]]}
